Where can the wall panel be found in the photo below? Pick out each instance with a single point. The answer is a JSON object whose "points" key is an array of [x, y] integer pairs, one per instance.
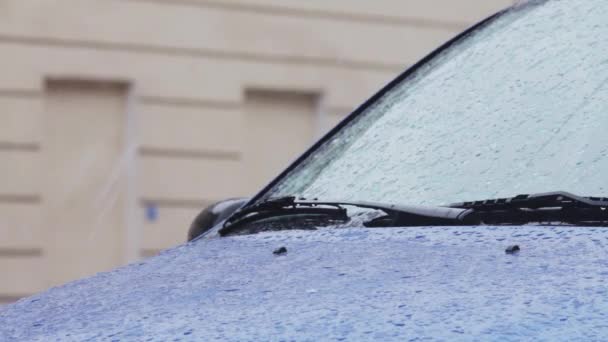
{"points": [[19, 172], [248, 34], [20, 225], [190, 127], [429, 12], [185, 77], [280, 126], [21, 275], [20, 118], [190, 179], [169, 229]]}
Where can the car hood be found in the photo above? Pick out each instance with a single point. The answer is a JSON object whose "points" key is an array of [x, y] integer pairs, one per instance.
{"points": [[355, 284]]}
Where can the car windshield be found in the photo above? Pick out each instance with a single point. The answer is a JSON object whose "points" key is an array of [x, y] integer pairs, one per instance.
{"points": [[520, 105]]}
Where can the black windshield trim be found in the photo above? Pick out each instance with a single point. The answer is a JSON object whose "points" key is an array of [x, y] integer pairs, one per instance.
{"points": [[392, 84]]}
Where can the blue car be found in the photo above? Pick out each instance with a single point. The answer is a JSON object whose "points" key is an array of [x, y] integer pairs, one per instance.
{"points": [[464, 201]]}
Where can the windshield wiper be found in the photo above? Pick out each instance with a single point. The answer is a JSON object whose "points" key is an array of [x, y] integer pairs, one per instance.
{"points": [[549, 207], [277, 207], [395, 215]]}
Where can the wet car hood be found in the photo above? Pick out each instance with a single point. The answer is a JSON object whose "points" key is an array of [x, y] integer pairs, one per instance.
{"points": [[354, 284]]}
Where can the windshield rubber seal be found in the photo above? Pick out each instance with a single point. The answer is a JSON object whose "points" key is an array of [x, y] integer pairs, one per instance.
{"points": [[361, 108]]}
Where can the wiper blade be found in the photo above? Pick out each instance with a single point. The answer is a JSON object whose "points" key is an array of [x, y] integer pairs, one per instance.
{"points": [[282, 206], [395, 215], [558, 206], [539, 200]]}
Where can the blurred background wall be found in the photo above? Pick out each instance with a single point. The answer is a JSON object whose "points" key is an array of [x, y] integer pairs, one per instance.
{"points": [[121, 119]]}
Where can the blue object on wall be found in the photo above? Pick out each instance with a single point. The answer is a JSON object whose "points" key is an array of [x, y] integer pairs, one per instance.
{"points": [[151, 212]]}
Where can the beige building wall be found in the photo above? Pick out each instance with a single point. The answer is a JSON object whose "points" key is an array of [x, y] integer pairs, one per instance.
{"points": [[121, 119]]}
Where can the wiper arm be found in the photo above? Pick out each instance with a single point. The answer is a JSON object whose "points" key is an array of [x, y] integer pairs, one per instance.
{"points": [[558, 206], [395, 215], [282, 206]]}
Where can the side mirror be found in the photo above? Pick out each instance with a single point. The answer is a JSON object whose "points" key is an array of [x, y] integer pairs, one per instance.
{"points": [[214, 214]]}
